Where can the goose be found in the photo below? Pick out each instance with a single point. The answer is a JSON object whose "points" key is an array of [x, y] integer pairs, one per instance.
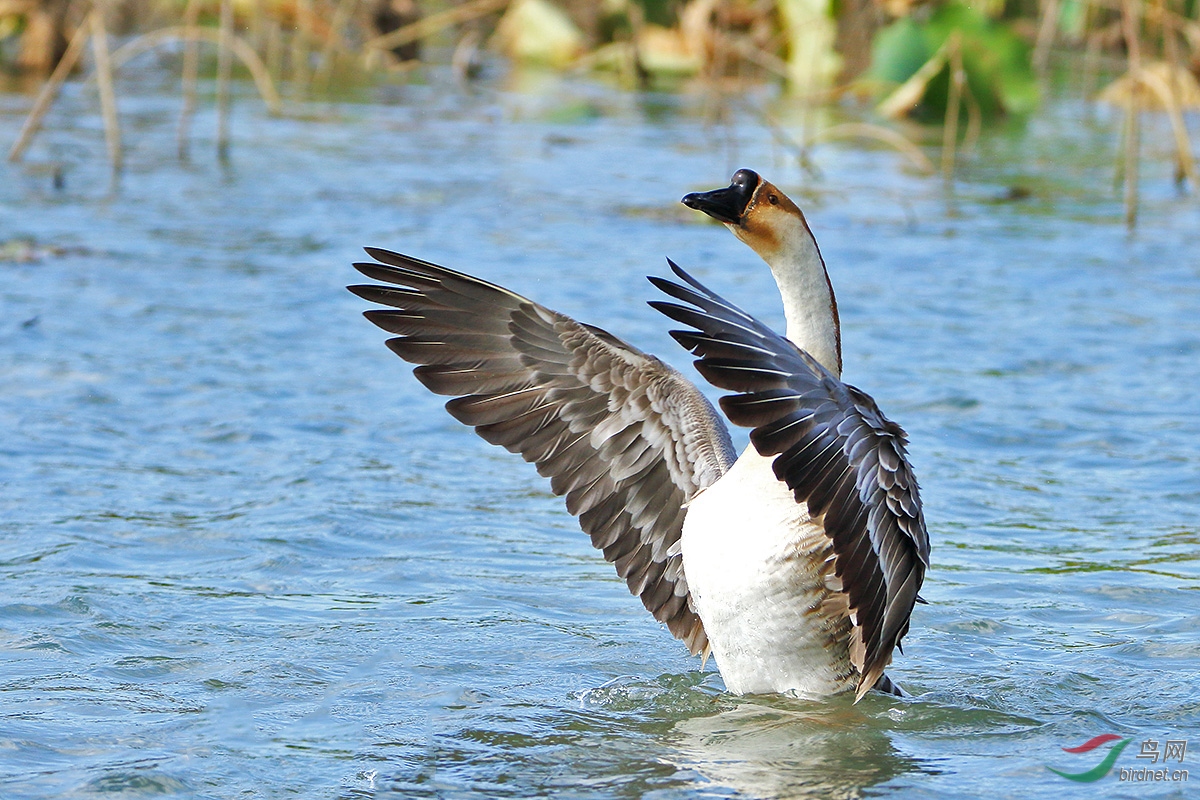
{"points": [[795, 565]]}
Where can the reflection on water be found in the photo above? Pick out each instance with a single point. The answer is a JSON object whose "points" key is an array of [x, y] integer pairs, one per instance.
{"points": [[768, 749], [244, 553]]}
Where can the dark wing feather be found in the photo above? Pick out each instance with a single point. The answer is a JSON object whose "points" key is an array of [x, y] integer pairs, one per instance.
{"points": [[624, 437], [833, 448]]}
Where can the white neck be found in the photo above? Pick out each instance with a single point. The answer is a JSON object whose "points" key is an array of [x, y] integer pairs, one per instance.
{"points": [[808, 303]]}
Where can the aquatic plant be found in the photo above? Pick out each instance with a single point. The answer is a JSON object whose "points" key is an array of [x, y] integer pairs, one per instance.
{"points": [[949, 64], [919, 57]]}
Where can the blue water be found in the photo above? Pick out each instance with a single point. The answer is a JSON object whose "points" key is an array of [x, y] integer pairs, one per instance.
{"points": [[244, 554]]}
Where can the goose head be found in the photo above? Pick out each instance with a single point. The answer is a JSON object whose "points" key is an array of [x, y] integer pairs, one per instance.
{"points": [[768, 222]]}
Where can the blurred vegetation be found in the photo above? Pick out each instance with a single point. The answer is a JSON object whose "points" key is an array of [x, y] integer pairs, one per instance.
{"points": [[996, 61], [949, 64]]}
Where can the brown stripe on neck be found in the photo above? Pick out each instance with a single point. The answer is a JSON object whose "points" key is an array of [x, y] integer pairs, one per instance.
{"points": [[833, 306]]}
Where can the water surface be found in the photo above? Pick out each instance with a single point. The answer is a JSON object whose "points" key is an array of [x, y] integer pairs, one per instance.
{"points": [[244, 554]]}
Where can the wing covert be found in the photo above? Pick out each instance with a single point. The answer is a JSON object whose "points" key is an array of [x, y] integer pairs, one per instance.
{"points": [[624, 437]]}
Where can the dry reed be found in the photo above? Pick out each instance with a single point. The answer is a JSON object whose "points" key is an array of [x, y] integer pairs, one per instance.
{"points": [[323, 32]]}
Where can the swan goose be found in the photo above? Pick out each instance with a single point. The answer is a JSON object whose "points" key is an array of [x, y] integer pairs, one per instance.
{"points": [[796, 564]]}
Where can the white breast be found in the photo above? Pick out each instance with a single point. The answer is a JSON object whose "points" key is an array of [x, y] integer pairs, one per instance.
{"points": [[755, 565]]}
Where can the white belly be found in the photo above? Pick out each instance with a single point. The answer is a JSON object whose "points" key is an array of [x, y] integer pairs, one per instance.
{"points": [[755, 565]]}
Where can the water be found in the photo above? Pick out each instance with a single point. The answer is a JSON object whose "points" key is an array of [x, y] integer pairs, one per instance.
{"points": [[244, 554]]}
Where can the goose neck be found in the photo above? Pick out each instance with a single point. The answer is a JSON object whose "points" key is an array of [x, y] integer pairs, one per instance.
{"points": [[809, 305]]}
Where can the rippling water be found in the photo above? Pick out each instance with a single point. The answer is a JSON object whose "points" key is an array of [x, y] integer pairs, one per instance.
{"points": [[244, 554]]}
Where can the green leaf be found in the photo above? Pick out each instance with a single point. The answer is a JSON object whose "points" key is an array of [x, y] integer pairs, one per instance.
{"points": [[996, 61]]}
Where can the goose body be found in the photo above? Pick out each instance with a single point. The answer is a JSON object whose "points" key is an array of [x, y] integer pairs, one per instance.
{"points": [[797, 564], [756, 565]]}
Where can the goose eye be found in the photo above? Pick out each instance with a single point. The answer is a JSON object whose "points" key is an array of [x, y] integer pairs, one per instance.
{"points": [[773, 199]]}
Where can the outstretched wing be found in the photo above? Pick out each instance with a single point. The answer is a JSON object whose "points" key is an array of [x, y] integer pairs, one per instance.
{"points": [[626, 438], [834, 449]]}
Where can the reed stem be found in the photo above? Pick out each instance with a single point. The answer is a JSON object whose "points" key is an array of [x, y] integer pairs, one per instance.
{"points": [[300, 49], [107, 85], [191, 68], [50, 89], [224, 69], [953, 102], [1045, 36], [1131, 25], [341, 16]]}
